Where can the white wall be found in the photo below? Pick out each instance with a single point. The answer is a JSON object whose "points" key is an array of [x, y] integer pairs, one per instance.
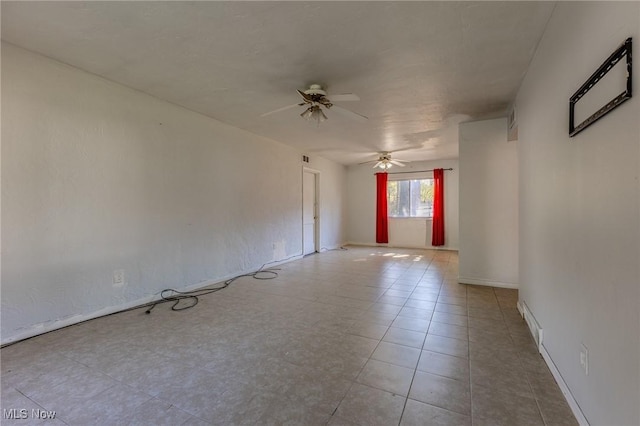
{"points": [[488, 252], [97, 177], [415, 233], [580, 212]]}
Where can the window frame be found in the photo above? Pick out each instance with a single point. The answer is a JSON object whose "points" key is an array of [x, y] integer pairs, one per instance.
{"points": [[417, 177]]}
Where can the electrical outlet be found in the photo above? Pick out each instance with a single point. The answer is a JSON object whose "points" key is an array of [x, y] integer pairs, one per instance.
{"points": [[584, 359], [118, 277]]}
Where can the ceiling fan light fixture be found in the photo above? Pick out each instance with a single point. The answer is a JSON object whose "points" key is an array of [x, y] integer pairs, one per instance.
{"points": [[314, 112], [307, 113], [385, 161], [320, 115]]}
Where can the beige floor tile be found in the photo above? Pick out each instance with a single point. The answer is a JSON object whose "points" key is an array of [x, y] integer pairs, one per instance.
{"points": [[414, 339], [387, 377], [493, 406], [446, 345], [449, 330], [426, 293], [377, 317], [452, 300], [414, 324], [451, 309], [284, 412], [403, 286], [364, 405], [494, 313], [321, 395], [368, 329], [486, 323], [428, 287], [417, 413], [385, 308], [392, 353], [392, 300], [415, 313], [420, 304], [450, 318], [307, 348], [444, 365], [501, 377], [193, 421], [339, 421], [157, 412], [111, 406], [398, 293], [443, 392], [557, 413], [354, 345]]}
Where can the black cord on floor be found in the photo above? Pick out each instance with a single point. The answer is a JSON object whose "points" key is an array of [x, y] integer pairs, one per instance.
{"points": [[334, 249], [260, 274], [183, 300]]}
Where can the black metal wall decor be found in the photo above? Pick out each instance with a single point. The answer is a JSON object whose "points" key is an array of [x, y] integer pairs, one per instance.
{"points": [[624, 51]]}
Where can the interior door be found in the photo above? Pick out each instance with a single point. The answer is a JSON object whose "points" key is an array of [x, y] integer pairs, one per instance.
{"points": [[309, 212]]}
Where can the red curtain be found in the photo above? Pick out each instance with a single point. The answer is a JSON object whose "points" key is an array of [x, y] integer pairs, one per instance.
{"points": [[382, 226], [437, 232]]}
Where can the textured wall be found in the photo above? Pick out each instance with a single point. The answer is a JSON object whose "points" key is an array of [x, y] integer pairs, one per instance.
{"points": [[97, 177], [580, 212]]}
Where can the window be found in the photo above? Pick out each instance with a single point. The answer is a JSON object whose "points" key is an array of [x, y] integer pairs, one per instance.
{"points": [[410, 198]]}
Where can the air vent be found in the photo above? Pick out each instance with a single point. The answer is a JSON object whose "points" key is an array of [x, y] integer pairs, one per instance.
{"points": [[534, 327]]}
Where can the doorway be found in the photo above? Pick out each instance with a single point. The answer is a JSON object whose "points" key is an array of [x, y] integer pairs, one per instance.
{"points": [[310, 216]]}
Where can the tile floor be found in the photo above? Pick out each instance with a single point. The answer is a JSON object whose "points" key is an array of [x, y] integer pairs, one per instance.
{"points": [[366, 336]]}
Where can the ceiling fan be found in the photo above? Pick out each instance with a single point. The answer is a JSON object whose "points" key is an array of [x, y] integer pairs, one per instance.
{"points": [[384, 161], [315, 99]]}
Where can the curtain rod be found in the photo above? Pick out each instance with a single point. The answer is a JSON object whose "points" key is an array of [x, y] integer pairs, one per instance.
{"points": [[413, 171]]}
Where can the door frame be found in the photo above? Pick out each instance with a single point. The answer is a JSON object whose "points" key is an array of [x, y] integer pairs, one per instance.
{"points": [[316, 209]]}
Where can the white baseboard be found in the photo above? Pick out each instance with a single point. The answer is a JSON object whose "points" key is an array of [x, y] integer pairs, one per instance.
{"points": [[485, 282], [46, 327], [573, 404], [360, 244], [575, 408]]}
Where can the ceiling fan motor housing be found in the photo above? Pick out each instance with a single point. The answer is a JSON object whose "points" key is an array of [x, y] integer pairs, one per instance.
{"points": [[315, 89], [317, 96]]}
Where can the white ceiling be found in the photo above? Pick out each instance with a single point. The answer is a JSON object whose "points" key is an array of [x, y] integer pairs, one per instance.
{"points": [[419, 68]]}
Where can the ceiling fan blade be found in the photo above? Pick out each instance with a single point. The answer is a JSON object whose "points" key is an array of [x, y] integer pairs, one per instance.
{"points": [[280, 109], [307, 98], [346, 112], [377, 164], [397, 163], [368, 162], [325, 102], [345, 97]]}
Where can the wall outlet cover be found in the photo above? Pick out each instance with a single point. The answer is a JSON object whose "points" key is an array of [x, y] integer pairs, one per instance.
{"points": [[118, 277]]}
